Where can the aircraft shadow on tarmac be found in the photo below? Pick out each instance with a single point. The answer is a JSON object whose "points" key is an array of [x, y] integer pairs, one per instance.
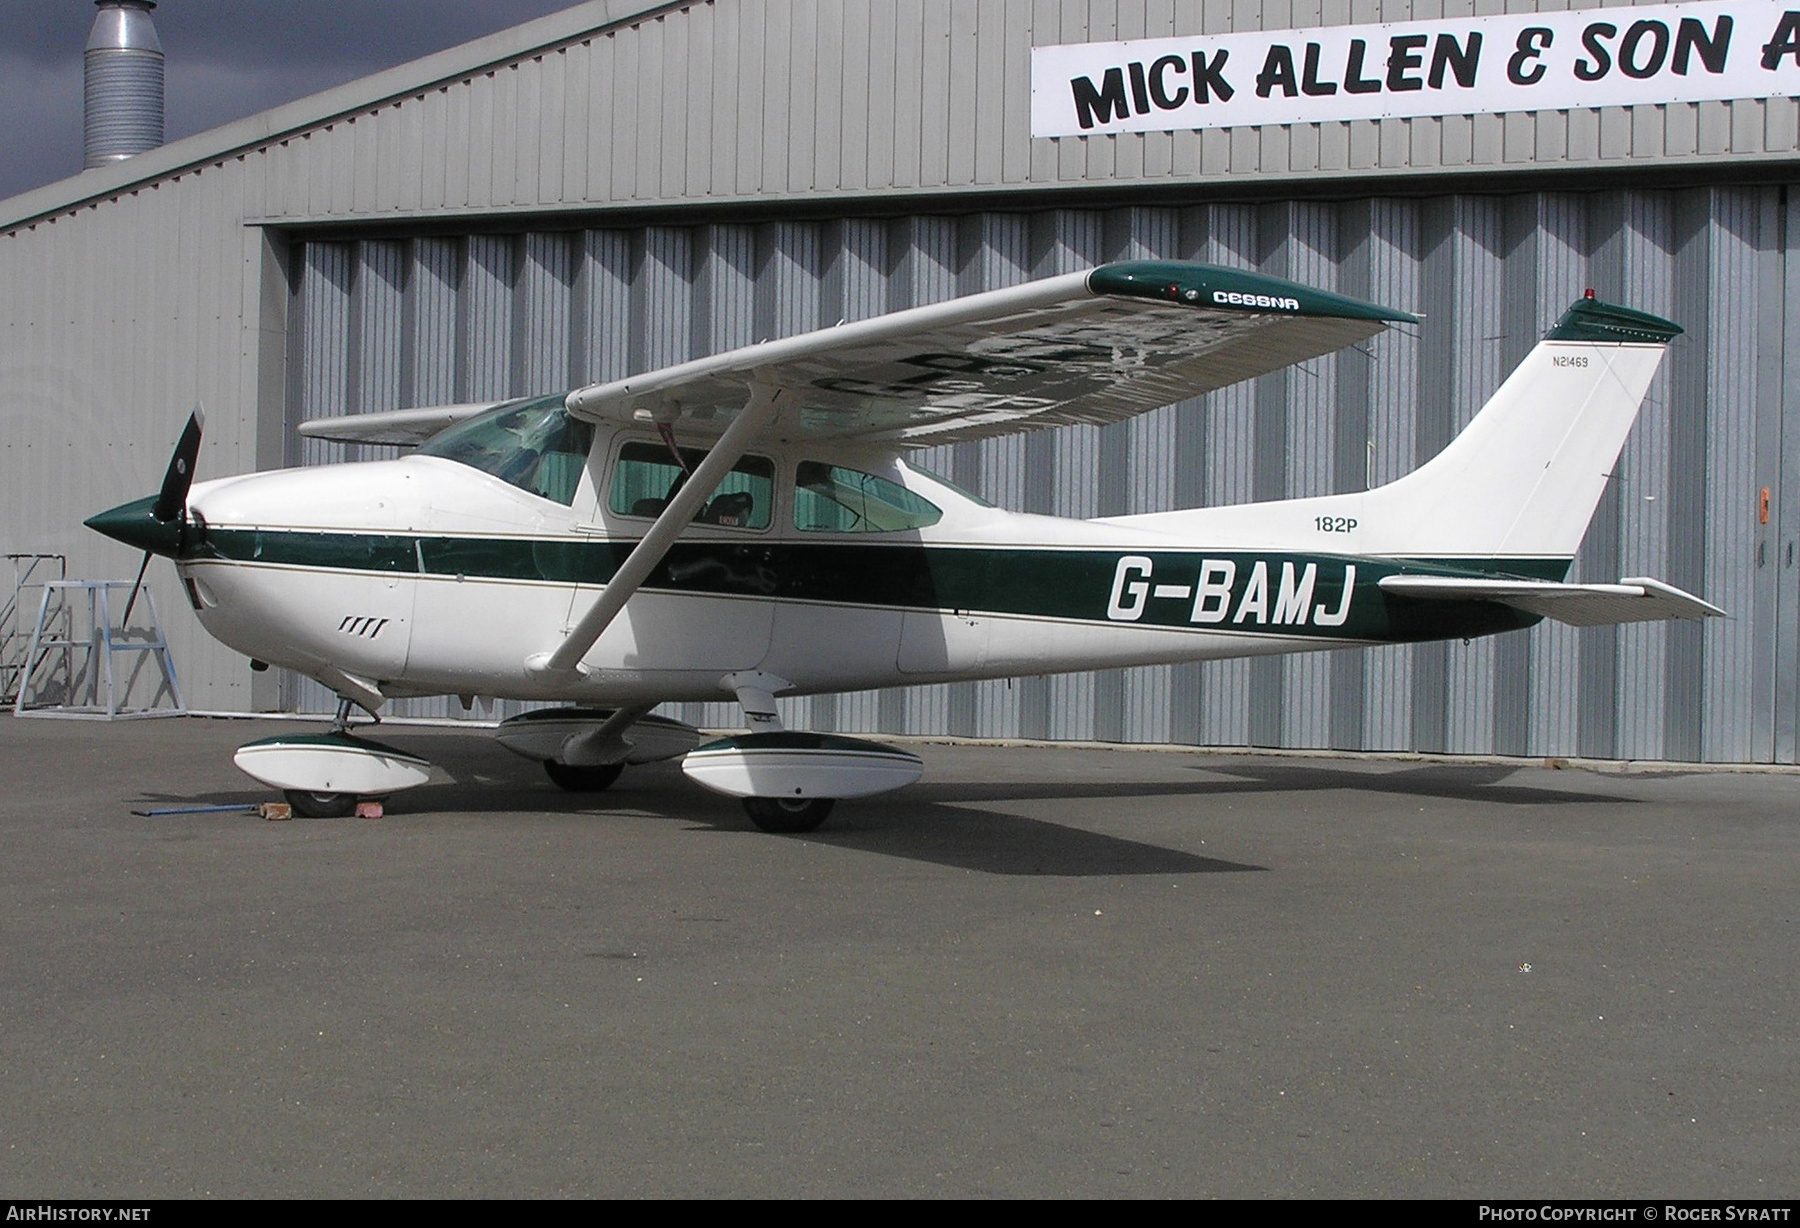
{"points": [[944, 822]]}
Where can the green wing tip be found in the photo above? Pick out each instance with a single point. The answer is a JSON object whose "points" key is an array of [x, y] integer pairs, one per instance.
{"points": [[1589, 319], [1209, 286]]}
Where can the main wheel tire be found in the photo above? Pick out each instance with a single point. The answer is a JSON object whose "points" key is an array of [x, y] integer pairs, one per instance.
{"points": [[787, 815], [574, 779], [310, 805]]}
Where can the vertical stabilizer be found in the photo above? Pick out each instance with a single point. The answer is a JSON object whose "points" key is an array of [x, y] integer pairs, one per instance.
{"points": [[1524, 477]]}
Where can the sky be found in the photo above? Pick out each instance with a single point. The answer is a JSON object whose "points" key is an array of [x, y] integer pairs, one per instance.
{"points": [[225, 59]]}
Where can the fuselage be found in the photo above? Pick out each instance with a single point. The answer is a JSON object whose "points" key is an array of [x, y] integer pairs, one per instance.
{"points": [[831, 571]]}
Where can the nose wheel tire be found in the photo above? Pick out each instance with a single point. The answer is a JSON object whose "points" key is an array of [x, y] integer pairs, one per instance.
{"points": [[787, 816], [583, 779], [310, 805]]}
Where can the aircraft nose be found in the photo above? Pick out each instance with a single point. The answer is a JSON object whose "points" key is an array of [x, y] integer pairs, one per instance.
{"points": [[136, 525]]}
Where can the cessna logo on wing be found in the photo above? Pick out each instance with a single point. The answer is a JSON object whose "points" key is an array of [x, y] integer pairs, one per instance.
{"points": [[1231, 298], [1222, 593]]}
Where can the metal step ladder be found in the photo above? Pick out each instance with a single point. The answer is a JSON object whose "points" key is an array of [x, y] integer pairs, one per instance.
{"points": [[29, 571], [78, 665]]}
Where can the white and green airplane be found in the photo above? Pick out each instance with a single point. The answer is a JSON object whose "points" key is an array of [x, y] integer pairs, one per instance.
{"points": [[749, 524]]}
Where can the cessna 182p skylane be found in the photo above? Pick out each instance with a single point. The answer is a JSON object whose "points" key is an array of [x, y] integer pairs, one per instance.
{"points": [[748, 524]]}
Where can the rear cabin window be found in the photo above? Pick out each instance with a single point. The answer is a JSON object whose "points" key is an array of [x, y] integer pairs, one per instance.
{"points": [[647, 477], [941, 480], [832, 499], [534, 445]]}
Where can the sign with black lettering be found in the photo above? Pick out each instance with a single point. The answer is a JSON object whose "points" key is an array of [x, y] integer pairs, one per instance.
{"points": [[1612, 57]]}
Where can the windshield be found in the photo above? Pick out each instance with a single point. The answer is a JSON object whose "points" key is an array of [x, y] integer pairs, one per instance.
{"points": [[532, 444]]}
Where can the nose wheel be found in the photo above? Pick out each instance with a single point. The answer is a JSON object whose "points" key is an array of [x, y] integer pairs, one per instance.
{"points": [[324, 775], [788, 815]]}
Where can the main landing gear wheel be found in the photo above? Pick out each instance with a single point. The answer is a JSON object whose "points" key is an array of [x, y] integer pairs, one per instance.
{"points": [[787, 815], [575, 779], [321, 805]]}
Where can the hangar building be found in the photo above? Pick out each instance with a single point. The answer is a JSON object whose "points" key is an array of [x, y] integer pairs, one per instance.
{"points": [[627, 184]]}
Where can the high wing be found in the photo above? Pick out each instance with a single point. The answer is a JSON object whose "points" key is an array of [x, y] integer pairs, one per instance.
{"points": [[1095, 347], [405, 427], [1632, 600]]}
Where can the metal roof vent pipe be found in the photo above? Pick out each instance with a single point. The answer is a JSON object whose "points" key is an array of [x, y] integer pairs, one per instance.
{"points": [[124, 73]]}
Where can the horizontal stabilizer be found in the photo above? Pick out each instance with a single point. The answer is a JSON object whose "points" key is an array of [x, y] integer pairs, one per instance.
{"points": [[406, 428], [1636, 599]]}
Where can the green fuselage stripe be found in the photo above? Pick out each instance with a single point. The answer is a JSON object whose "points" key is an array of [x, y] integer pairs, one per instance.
{"points": [[1269, 591]]}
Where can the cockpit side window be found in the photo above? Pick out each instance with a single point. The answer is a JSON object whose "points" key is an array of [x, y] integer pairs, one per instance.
{"points": [[534, 445], [832, 499], [647, 477]]}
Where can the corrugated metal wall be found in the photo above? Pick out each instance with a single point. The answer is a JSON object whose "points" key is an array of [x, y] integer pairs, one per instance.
{"points": [[381, 324], [742, 100]]}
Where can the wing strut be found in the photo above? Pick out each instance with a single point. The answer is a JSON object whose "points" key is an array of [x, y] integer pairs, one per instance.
{"points": [[757, 413]]}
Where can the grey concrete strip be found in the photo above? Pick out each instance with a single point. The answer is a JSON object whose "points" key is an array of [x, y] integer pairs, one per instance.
{"points": [[1037, 972]]}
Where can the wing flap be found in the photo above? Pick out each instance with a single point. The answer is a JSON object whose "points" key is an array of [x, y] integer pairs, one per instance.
{"points": [[1094, 347], [1632, 600]]}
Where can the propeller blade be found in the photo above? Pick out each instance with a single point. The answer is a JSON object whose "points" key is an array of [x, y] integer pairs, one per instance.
{"points": [[171, 503], [135, 586]]}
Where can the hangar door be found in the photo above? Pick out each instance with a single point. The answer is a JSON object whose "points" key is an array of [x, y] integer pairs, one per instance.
{"points": [[409, 320]]}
